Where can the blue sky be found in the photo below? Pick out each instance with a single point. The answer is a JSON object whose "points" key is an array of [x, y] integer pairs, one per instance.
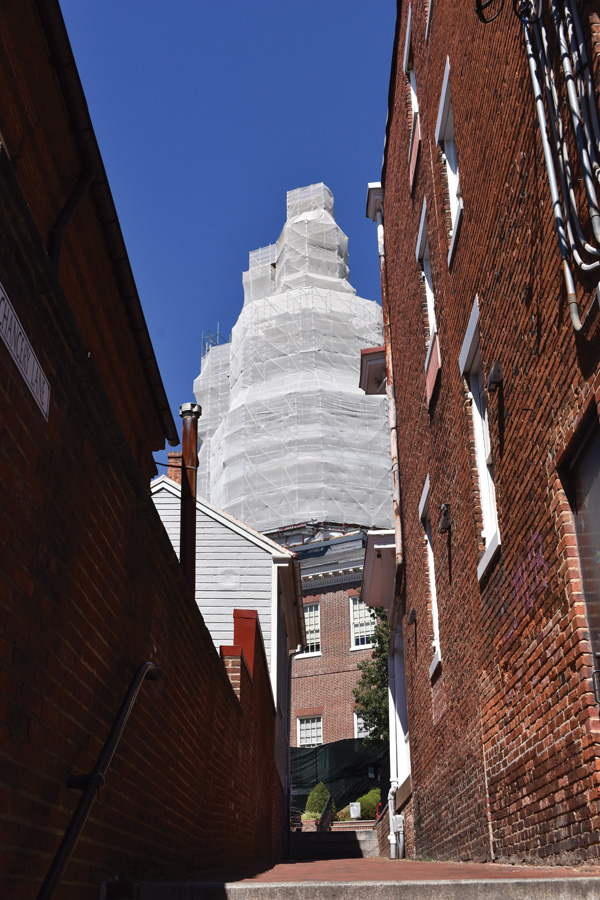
{"points": [[206, 113]]}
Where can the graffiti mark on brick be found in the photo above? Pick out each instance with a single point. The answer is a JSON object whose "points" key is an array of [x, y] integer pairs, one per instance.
{"points": [[526, 584]]}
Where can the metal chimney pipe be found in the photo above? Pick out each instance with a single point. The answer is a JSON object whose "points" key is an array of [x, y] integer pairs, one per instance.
{"points": [[190, 413]]}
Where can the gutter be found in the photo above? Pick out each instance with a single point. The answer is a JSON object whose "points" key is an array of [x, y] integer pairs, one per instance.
{"points": [[62, 59]]}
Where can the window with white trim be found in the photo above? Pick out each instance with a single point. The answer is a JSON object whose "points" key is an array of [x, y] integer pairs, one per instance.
{"points": [[471, 370], [411, 102], [424, 261], [360, 731], [362, 624], [310, 731], [444, 137], [312, 627], [425, 517]]}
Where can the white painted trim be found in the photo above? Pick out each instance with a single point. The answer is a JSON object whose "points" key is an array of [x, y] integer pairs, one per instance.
{"points": [[455, 230], [274, 630], [493, 545], [422, 234], [470, 341], [430, 347], [407, 41], [361, 646], [424, 501], [307, 655], [444, 107], [428, 20], [435, 662]]}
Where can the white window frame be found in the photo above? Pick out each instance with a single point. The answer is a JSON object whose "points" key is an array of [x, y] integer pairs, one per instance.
{"points": [[354, 600], [408, 66], [469, 364], [444, 135], [305, 653], [424, 261], [357, 726], [425, 518], [427, 26], [303, 720]]}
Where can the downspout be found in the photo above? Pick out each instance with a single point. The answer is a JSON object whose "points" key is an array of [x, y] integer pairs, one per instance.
{"points": [[394, 785], [190, 413], [389, 388]]}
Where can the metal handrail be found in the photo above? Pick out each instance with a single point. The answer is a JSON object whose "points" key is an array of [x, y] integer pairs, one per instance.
{"points": [[324, 823], [91, 784]]}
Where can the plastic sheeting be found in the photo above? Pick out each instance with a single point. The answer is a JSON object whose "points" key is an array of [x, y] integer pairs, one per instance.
{"points": [[347, 769], [286, 435]]}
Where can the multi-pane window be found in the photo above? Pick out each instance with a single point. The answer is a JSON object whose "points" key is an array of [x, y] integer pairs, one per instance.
{"points": [[362, 621], [424, 261], [412, 101], [444, 136], [312, 626], [471, 369], [310, 731], [360, 731], [425, 517]]}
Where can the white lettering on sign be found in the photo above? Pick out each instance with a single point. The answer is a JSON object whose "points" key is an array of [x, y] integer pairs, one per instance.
{"points": [[21, 351]]}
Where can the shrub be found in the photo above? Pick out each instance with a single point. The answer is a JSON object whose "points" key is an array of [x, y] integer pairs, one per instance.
{"points": [[317, 800], [369, 803]]}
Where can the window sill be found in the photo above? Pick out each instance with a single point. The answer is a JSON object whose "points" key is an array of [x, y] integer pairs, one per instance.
{"points": [[433, 364], [455, 232], [307, 655], [493, 545], [363, 647], [435, 663]]}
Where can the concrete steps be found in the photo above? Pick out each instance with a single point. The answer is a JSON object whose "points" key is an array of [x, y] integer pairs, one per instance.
{"points": [[307, 845], [498, 889]]}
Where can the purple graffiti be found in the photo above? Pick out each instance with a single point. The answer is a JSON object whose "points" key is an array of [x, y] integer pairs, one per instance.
{"points": [[527, 582]]}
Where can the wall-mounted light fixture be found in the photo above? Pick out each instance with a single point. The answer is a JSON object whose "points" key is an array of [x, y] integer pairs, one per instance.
{"points": [[496, 377], [444, 525]]}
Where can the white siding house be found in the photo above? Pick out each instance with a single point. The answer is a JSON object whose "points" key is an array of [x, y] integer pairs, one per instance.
{"points": [[239, 568]]}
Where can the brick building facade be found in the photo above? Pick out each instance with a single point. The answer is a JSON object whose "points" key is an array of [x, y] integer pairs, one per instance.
{"points": [[90, 585], [497, 392], [338, 630]]}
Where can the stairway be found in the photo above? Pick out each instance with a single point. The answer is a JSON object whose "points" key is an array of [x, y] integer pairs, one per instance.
{"points": [[346, 844]]}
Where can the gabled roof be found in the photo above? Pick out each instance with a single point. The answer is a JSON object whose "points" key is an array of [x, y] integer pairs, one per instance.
{"points": [[229, 521]]}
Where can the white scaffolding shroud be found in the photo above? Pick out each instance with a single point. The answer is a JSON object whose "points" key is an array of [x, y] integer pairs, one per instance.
{"points": [[286, 435]]}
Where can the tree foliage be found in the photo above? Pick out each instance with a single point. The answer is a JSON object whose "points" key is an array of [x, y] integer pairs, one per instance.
{"points": [[371, 692]]}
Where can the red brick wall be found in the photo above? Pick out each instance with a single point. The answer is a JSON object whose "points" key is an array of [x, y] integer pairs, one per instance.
{"points": [[505, 743], [89, 589], [322, 685]]}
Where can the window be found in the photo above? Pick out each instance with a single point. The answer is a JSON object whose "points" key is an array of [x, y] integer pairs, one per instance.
{"points": [[444, 137], [310, 731], [312, 626], [412, 101], [585, 477], [425, 518], [470, 368], [359, 727], [362, 624], [433, 361]]}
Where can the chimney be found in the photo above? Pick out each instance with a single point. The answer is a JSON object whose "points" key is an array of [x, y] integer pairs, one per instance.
{"points": [[190, 413], [175, 464]]}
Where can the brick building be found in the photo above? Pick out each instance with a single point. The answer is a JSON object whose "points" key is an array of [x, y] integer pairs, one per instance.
{"points": [[90, 585], [492, 328], [339, 629]]}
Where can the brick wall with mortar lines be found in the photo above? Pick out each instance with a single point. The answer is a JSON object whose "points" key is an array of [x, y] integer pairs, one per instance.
{"points": [[326, 681], [90, 588], [504, 743]]}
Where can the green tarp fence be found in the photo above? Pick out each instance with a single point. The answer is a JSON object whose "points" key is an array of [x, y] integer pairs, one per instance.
{"points": [[346, 768]]}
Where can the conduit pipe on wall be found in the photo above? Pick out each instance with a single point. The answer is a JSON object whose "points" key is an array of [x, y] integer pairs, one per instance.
{"points": [[389, 389], [394, 784], [190, 413]]}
